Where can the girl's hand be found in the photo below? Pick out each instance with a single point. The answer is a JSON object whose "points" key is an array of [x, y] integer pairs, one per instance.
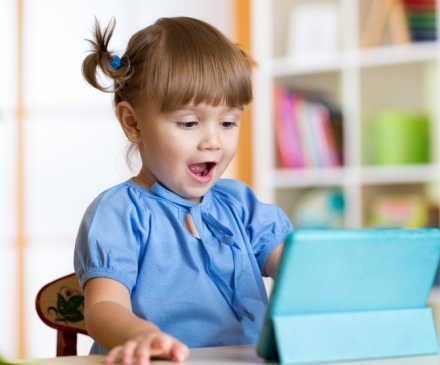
{"points": [[111, 322], [141, 348]]}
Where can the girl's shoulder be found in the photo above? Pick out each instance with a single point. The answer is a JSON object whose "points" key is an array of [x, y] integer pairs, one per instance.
{"points": [[234, 191], [241, 198], [231, 185], [123, 197]]}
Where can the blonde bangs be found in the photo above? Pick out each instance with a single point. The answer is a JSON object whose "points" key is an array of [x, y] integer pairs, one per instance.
{"points": [[198, 65]]}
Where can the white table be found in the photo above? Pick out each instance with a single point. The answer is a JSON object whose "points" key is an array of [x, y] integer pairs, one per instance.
{"points": [[236, 355]]}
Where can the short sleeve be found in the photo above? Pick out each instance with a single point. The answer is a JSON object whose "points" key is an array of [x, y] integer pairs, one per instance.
{"points": [[109, 239], [266, 225]]}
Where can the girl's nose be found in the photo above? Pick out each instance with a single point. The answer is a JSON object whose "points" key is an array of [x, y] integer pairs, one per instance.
{"points": [[210, 140]]}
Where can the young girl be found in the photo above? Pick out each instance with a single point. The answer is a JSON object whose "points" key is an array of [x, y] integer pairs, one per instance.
{"points": [[174, 257]]}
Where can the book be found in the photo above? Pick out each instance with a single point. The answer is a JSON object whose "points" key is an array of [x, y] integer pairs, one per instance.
{"points": [[332, 148], [280, 134], [337, 131], [422, 19], [321, 140], [423, 35], [300, 114], [399, 28], [408, 20], [376, 23], [430, 3], [308, 130], [313, 143], [293, 131]]}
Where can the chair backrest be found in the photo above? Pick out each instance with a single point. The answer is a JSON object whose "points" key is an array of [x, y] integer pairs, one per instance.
{"points": [[60, 304]]}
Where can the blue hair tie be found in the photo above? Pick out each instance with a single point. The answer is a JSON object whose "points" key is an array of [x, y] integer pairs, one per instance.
{"points": [[116, 62]]}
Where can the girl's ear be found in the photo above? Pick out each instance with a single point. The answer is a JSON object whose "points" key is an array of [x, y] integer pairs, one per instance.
{"points": [[129, 121]]}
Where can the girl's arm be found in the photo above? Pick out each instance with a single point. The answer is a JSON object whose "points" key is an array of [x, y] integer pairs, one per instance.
{"points": [[111, 322], [270, 268]]}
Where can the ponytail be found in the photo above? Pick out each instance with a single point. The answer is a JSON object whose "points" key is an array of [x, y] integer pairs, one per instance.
{"points": [[101, 57]]}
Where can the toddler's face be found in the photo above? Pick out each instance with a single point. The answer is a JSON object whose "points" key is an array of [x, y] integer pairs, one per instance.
{"points": [[189, 148]]}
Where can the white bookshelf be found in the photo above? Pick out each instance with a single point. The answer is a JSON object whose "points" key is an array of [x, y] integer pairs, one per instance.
{"points": [[360, 82]]}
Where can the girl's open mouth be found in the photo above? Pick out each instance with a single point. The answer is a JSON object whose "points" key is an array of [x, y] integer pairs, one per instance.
{"points": [[201, 169]]}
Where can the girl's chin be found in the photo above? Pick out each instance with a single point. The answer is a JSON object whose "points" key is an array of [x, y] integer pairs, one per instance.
{"points": [[195, 195]]}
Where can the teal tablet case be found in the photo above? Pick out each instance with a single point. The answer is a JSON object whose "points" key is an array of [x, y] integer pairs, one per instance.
{"points": [[351, 295]]}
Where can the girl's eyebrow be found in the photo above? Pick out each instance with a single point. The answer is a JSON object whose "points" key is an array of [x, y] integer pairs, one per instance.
{"points": [[240, 108], [177, 109], [192, 107]]}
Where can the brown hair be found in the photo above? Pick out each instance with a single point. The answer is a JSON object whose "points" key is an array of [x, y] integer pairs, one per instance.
{"points": [[177, 60]]}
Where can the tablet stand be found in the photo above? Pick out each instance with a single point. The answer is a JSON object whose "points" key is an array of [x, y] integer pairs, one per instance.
{"points": [[352, 336]]}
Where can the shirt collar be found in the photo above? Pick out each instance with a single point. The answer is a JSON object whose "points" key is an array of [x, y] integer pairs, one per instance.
{"points": [[166, 194]]}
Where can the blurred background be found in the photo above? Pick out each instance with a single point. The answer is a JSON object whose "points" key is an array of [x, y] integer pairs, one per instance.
{"points": [[343, 131]]}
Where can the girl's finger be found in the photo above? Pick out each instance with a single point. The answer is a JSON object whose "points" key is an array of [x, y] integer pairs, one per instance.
{"points": [[114, 355], [161, 347], [179, 351], [143, 351], [143, 355], [128, 351]]}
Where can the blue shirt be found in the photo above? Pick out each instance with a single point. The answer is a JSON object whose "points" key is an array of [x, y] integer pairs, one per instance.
{"points": [[205, 291]]}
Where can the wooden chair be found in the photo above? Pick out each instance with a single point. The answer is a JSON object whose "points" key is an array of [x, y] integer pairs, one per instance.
{"points": [[60, 304]]}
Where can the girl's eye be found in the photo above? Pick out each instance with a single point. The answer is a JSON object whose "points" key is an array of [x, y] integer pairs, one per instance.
{"points": [[187, 125], [228, 124]]}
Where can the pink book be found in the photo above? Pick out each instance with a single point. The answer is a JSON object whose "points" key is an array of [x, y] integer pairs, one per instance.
{"points": [[280, 133], [293, 133]]}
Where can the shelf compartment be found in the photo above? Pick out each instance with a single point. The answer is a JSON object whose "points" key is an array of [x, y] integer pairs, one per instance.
{"points": [[367, 175], [302, 65], [398, 54], [384, 89], [399, 205], [372, 175], [317, 207], [337, 61], [289, 178]]}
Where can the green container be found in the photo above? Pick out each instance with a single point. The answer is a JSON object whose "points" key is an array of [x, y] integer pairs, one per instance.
{"points": [[400, 138]]}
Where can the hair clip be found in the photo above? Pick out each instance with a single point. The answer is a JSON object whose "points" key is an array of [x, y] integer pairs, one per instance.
{"points": [[116, 62]]}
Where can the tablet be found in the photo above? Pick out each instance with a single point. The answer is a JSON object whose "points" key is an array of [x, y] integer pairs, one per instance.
{"points": [[335, 271]]}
